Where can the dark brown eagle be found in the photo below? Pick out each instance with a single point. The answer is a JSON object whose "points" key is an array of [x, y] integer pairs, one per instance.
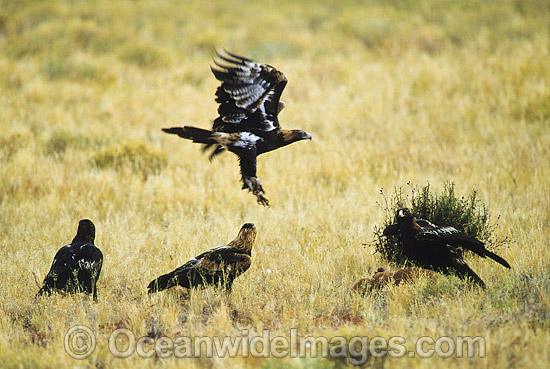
{"points": [[437, 248], [76, 266], [248, 124], [216, 267]]}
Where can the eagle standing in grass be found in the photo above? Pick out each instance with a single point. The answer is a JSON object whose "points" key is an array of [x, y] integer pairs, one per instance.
{"points": [[76, 266], [218, 266], [248, 122], [436, 248]]}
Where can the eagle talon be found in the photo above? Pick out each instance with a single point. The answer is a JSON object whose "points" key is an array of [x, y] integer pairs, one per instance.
{"points": [[262, 200], [253, 185]]}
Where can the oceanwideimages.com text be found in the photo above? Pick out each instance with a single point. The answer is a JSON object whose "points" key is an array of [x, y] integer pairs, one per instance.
{"points": [[81, 341]]}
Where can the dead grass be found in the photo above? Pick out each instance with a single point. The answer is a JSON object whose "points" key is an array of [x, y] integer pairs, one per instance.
{"points": [[392, 92]]}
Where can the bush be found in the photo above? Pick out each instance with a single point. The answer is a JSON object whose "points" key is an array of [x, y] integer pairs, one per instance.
{"points": [[71, 69], [60, 140], [467, 214], [135, 156]]}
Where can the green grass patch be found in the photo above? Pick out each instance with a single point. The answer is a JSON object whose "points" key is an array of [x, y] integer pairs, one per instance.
{"points": [[138, 157], [60, 140]]}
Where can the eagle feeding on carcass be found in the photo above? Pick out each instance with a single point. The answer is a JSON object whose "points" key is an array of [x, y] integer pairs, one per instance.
{"points": [[438, 248]]}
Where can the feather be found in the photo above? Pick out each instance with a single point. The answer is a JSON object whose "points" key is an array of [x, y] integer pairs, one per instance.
{"points": [[218, 266], [76, 266], [438, 248], [247, 125]]}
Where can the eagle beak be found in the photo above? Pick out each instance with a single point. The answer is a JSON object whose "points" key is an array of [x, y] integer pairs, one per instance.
{"points": [[306, 136]]}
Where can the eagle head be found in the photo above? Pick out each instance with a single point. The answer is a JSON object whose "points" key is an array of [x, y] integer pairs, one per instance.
{"points": [[403, 213], [406, 222], [294, 135], [86, 231], [246, 237], [304, 135]]}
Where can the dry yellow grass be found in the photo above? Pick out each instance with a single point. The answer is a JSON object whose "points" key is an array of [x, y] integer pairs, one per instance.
{"points": [[392, 94]]}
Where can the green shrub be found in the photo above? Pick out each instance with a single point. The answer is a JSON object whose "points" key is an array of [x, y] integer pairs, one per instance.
{"points": [[60, 140], [467, 214], [137, 157], [70, 69]]}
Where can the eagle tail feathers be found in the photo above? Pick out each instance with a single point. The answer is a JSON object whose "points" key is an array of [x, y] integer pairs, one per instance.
{"points": [[163, 282]]}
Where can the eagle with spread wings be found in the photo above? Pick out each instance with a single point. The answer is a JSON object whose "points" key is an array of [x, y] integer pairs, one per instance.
{"points": [[248, 124], [438, 247], [216, 267]]}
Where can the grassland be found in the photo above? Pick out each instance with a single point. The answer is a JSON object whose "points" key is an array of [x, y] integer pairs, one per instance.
{"points": [[395, 93]]}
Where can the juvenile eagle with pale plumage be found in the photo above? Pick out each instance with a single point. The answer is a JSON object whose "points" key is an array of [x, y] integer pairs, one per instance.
{"points": [[216, 267]]}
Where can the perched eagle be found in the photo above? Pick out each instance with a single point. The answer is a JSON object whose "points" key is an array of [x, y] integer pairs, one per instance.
{"points": [[218, 266], [248, 122], [76, 266], [433, 247]]}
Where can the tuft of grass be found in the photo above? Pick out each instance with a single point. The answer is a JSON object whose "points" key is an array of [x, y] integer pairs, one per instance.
{"points": [[11, 144], [144, 55], [60, 140], [71, 69], [467, 214], [138, 157]]}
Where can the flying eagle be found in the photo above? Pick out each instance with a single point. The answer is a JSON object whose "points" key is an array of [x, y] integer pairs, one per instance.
{"points": [[76, 266], [436, 248], [248, 123], [218, 266]]}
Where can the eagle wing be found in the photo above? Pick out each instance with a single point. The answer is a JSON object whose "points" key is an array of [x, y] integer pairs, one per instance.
{"points": [[439, 234], [391, 230], [453, 236], [222, 260], [90, 257], [63, 261], [71, 257], [249, 95], [425, 224]]}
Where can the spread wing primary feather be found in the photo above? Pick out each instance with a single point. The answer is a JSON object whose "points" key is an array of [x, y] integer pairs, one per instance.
{"points": [[248, 124], [76, 266], [218, 266]]}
